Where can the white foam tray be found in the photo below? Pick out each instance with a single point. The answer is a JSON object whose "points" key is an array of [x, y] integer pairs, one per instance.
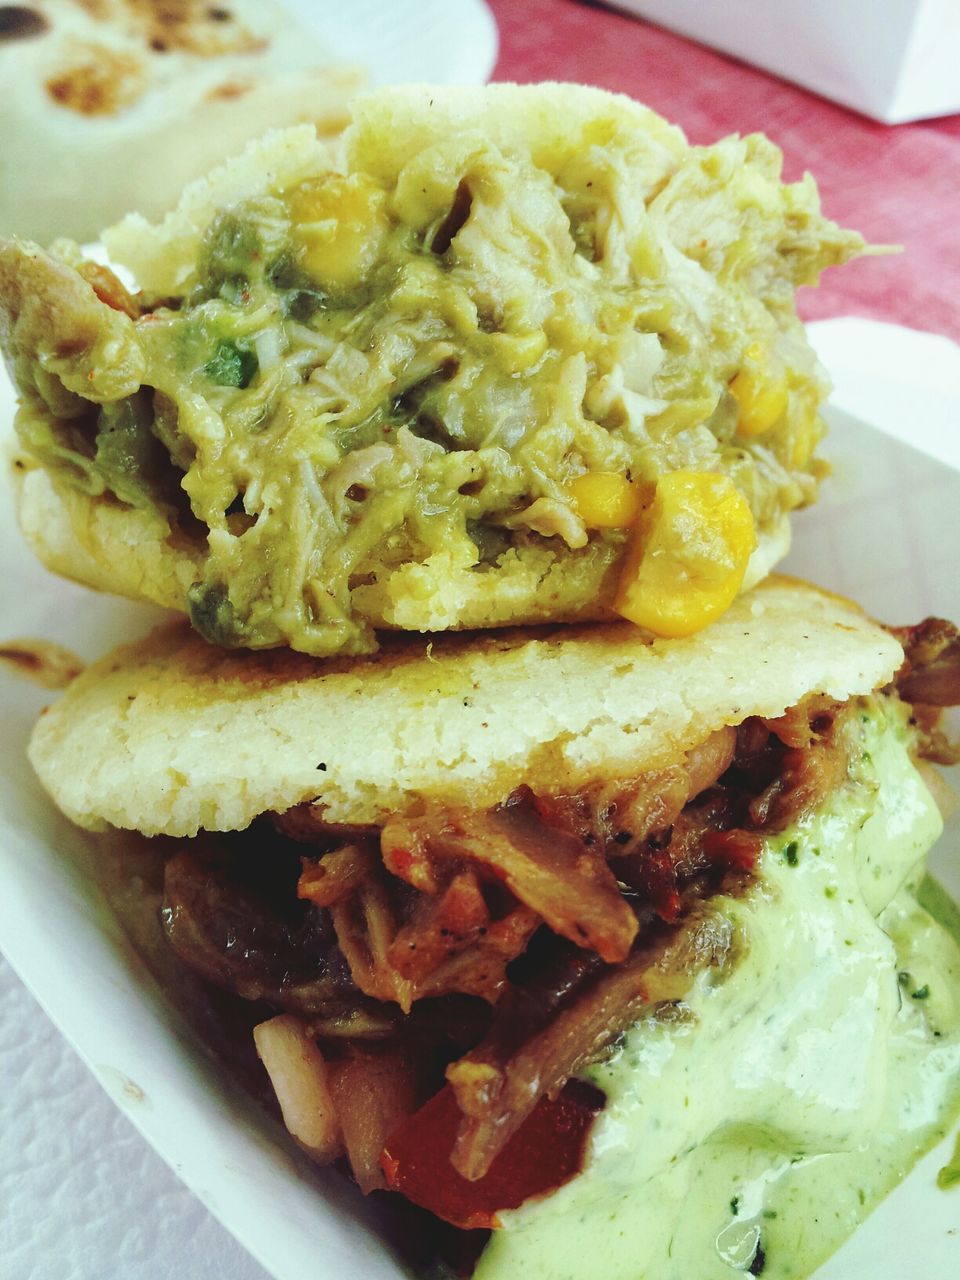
{"points": [[84, 1198]]}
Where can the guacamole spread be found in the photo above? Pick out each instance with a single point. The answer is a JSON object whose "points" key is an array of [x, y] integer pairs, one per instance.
{"points": [[366, 390]]}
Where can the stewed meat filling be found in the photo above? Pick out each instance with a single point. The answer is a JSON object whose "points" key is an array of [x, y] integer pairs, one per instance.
{"points": [[475, 960]]}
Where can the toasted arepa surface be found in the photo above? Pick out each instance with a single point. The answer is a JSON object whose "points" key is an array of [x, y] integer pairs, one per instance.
{"points": [[173, 735], [104, 545], [460, 371]]}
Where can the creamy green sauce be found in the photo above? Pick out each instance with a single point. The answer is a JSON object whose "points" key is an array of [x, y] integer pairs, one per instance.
{"points": [[758, 1130], [949, 1175]]}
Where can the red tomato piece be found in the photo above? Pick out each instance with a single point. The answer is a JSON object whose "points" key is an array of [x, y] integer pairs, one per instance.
{"points": [[545, 1152], [738, 850]]}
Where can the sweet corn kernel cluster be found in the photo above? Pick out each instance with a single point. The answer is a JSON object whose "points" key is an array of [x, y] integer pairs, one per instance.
{"points": [[605, 501], [688, 554], [761, 391], [341, 222]]}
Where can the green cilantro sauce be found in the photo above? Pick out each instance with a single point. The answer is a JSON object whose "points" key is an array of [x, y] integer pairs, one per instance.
{"points": [[753, 1134], [949, 1175]]}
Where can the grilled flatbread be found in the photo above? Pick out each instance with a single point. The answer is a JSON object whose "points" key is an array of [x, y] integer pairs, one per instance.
{"points": [[172, 734]]}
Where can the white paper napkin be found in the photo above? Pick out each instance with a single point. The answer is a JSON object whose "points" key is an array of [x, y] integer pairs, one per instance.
{"points": [[82, 1195]]}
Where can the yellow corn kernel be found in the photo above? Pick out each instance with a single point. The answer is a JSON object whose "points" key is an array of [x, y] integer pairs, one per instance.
{"points": [[688, 555], [603, 500], [341, 223], [806, 430], [519, 351], [760, 389]]}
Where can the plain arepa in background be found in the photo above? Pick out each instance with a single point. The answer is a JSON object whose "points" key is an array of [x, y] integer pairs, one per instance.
{"points": [[110, 106]]}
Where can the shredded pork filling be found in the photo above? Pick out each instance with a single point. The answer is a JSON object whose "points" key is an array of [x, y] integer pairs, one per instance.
{"points": [[489, 956], [490, 953]]}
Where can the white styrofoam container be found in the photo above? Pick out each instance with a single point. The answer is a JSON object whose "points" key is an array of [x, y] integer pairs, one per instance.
{"points": [[886, 531], [894, 60]]}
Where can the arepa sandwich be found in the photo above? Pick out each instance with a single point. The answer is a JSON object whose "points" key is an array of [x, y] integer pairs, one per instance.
{"points": [[619, 951], [508, 355]]}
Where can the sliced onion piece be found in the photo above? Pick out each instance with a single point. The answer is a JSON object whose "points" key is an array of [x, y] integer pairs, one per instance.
{"points": [[299, 1075]]}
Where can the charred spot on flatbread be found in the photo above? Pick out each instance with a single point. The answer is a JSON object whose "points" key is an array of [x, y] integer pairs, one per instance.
{"points": [[19, 22], [93, 80]]}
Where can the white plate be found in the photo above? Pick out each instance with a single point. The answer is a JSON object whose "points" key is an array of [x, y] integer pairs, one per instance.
{"points": [[887, 532], [441, 41]]}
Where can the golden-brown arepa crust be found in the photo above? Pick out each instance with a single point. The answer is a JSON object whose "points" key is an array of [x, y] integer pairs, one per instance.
{"points": [[100, 542], [171, 735]]}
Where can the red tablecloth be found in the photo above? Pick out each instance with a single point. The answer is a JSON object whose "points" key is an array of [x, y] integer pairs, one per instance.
{"points": [[897, 184]]}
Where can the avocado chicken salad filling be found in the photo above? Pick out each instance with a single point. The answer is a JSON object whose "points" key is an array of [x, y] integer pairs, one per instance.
{"points": [[510, 355], [519, 1017]]}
